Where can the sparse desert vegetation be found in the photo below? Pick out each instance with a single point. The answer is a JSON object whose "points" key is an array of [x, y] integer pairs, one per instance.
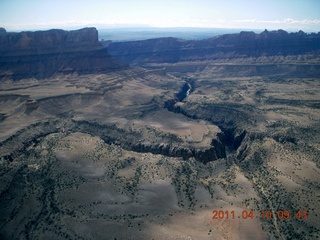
{"points": [[128, 154]]}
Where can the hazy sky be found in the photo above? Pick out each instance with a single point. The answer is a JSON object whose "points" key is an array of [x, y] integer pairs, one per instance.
{"points": [[254, 14]]}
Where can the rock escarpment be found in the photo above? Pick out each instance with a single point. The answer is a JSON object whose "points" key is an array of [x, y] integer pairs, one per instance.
{"points": [[41, 54], [166, 145], [243, 44], [216, 151]]}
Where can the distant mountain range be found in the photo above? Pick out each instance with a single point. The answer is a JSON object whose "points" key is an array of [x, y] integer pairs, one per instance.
{"points": [[42, 54], [143, 33], [243, 44]]}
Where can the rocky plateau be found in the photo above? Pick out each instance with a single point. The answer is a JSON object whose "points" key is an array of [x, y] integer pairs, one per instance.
{"points": [[45, 53], [147, 139]]}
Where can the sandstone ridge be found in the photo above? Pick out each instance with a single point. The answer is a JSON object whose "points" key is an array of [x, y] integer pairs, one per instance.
{"points": [[41, 54], [50, 40], [224, 47]]}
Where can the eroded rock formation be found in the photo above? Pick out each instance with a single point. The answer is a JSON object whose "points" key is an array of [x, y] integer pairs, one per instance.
{"points": [[240, 45], [41, 54]]}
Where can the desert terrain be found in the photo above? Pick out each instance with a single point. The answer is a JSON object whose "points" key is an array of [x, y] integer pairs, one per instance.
{"points": [[193, 148]]}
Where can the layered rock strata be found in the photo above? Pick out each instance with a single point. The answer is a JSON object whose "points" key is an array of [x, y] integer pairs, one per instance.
{"points": [[224, 47], [166, 144], [42, 54]]}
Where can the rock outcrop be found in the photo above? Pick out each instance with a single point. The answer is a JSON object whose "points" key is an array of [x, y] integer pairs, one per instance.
{"points": [[2, 31], [41, 54], [17, 144], [243, 44], [162, 144], [216, 151]]}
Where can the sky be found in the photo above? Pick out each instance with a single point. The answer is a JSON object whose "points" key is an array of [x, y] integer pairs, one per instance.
{"points": [[241, 14]]}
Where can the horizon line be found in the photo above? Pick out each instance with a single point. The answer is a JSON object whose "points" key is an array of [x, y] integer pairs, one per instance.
{"points": [[146, 27]]}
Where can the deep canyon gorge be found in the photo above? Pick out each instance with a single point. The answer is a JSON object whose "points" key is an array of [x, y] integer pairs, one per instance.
{"points": [[145, 139]]}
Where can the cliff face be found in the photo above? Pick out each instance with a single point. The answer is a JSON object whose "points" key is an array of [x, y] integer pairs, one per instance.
{"points": [[161, 144], [43, 53], [52, 40], [244, 44]]}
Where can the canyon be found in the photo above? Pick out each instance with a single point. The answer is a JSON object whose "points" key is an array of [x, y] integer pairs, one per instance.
{"points": [[145, 139]]}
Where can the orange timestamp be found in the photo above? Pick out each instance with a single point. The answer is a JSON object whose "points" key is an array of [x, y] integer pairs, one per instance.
{"points": [[264, 214]]}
